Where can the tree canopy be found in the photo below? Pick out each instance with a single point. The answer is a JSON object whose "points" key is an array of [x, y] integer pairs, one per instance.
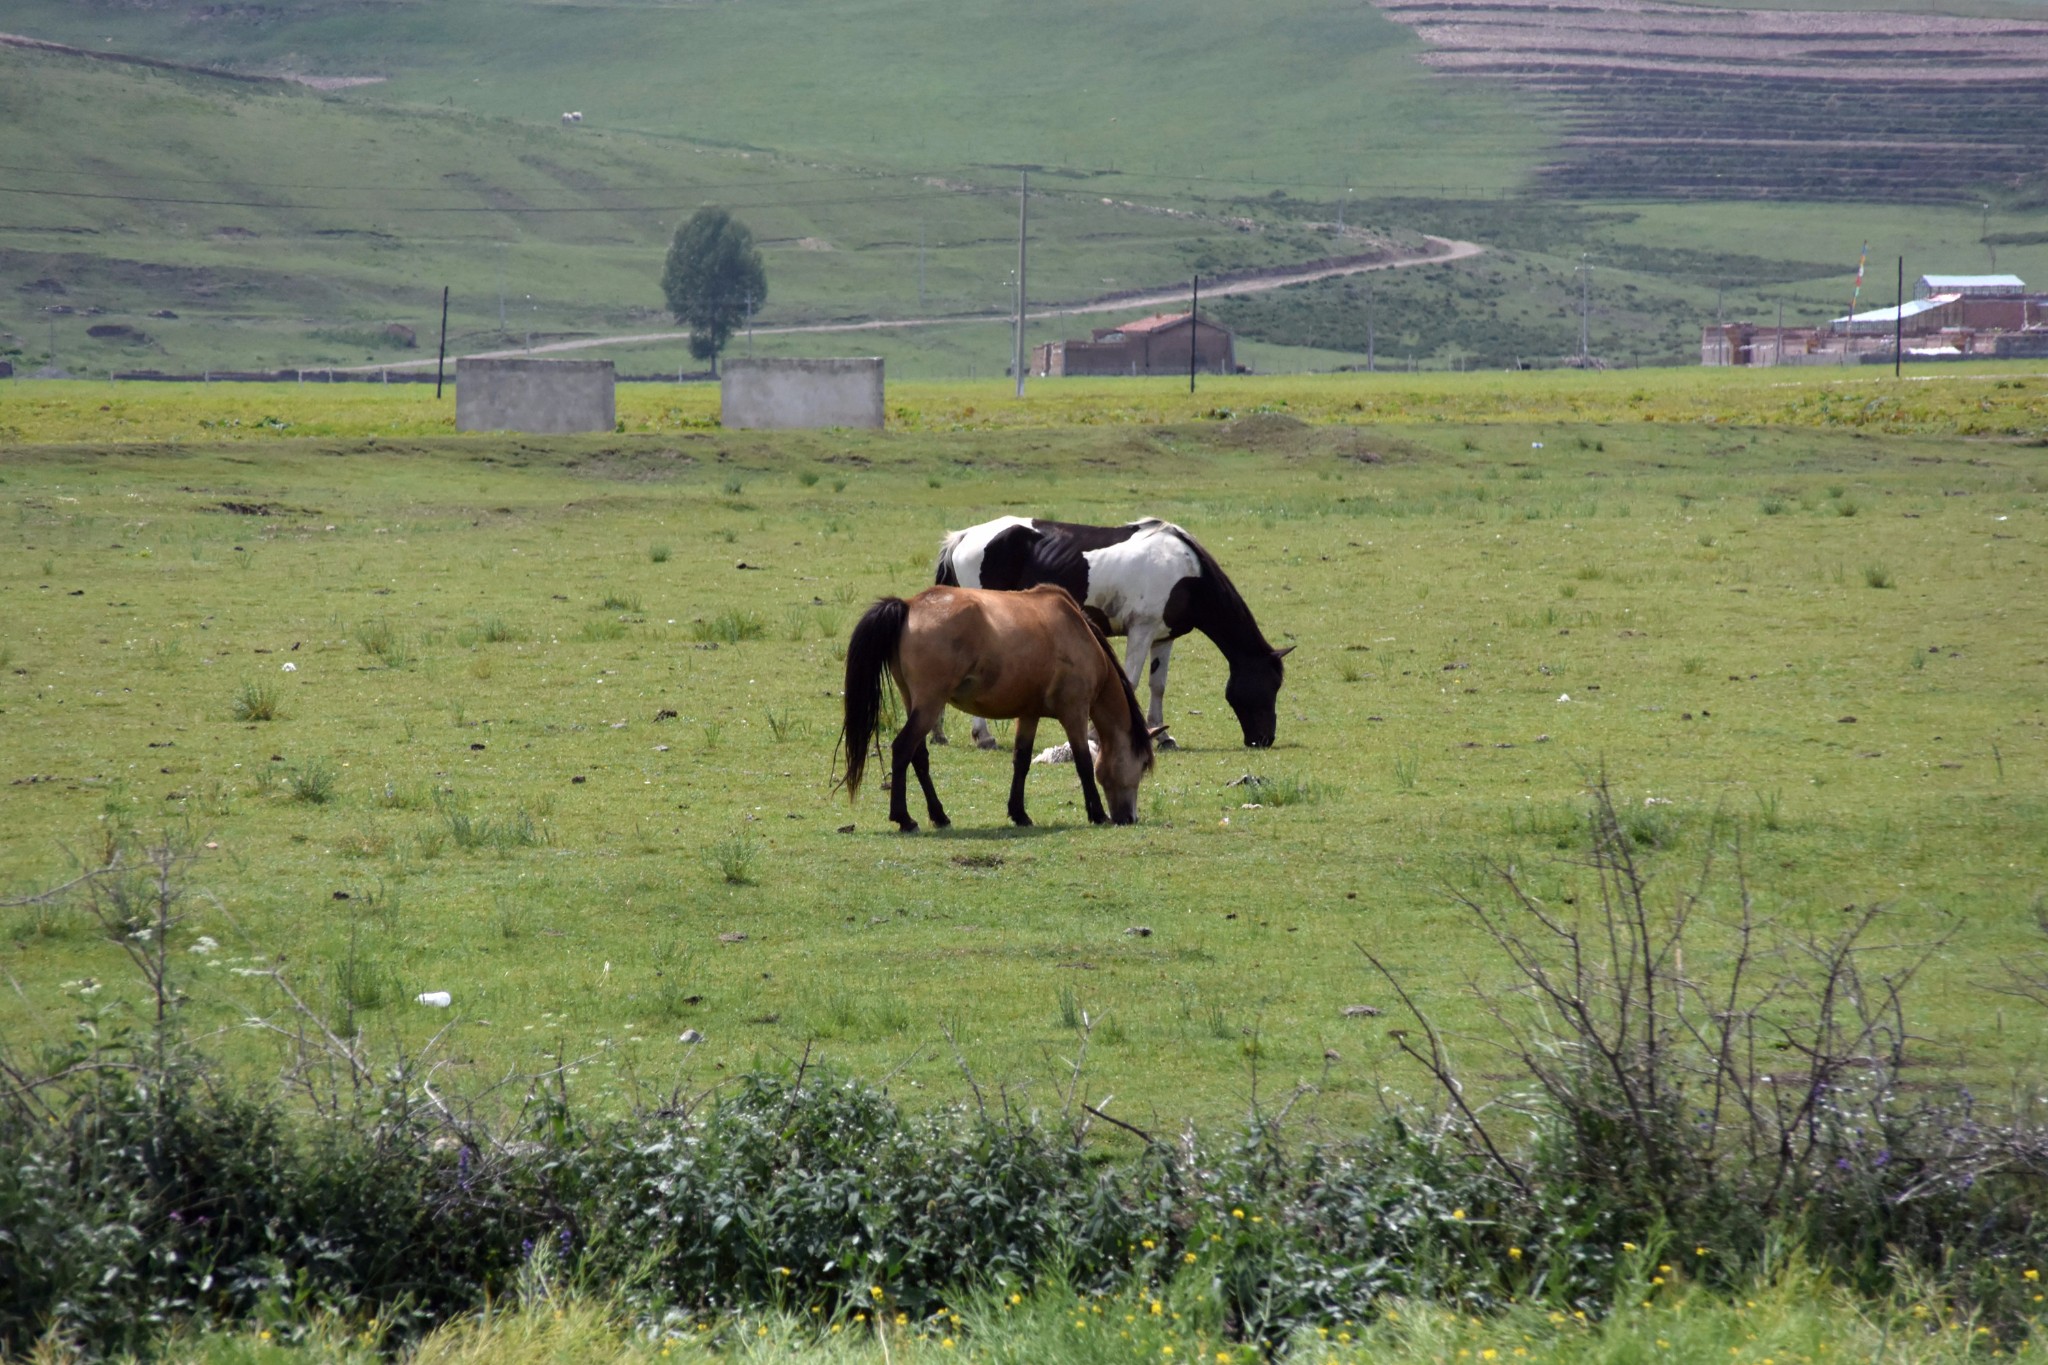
{"points": [[713, 279]]}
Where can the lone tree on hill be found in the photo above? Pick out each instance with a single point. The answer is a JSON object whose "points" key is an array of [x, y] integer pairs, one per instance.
{"points": [[713, 279]]}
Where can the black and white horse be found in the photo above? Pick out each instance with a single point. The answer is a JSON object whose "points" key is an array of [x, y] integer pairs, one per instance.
{"points": [[1149, 580]]}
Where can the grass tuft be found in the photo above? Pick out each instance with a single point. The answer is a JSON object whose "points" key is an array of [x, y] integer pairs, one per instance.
{"points": [[729, 627], [736, 858], [255, 701], [313, 783]]}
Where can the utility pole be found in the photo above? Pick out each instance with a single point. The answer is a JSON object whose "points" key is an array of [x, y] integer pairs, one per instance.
{"points": [[1370, 363], [1023, 201], [1899, 322], [1585, 284], [1779, 358], [441, 358], [1194, 322], [501, 288], [920, 267], [750, 324]]}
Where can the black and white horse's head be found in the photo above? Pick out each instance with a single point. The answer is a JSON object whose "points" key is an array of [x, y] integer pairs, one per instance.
{"points": [[1253, 692]]}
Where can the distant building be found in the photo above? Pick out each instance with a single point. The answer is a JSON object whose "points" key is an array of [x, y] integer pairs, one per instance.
{"points": [[1951, 316], [1971, 286], [1154, 345], [1927, 314]]}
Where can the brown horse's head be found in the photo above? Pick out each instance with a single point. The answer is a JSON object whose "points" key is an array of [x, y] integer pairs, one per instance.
{"points": [[1126, 743], [1122, 766]]}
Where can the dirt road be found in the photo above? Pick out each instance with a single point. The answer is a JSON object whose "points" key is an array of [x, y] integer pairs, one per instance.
{"points": [[1442, 249]]}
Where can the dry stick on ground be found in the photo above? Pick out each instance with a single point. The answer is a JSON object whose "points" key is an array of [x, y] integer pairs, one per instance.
{"points": [[1147, 1138], [1438, 1066], [966, 1071], [1622, 1035]]}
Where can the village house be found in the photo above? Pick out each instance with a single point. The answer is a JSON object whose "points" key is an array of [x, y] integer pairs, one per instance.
{"points": [[1949, 317], [1154, 345]]}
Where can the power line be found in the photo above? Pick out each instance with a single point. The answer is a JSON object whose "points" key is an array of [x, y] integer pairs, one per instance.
{"points": [[245, 183], [362, 209]]}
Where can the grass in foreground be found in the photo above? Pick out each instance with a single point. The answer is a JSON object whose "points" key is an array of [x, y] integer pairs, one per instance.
{"points": [[1794, 1316]]}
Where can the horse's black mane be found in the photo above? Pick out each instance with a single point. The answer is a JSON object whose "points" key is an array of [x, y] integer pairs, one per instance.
{"points": [[1141, 732], [1229, 601]]}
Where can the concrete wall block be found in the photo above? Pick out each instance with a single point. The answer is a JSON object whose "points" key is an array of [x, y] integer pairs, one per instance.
{"points": [[543, 396], [786, 394]]}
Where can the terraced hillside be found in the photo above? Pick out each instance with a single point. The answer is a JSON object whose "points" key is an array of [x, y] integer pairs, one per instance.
{"points": [[1680, 101]]}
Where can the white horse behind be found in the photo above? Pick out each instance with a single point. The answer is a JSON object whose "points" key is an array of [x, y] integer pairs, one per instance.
{"points": [[1148, 580]]}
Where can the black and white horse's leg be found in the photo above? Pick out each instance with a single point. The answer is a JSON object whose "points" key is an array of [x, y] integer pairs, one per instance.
{"points": [[1148, 640], [1084, 764], [984, 738], [1020, 767], [1162, 652], [909, 750]]}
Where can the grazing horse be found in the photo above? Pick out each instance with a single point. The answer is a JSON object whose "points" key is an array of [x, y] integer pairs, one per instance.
{"points": [[1006, 655], [1146, 579]]}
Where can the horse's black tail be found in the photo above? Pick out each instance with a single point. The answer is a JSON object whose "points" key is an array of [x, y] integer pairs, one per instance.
{"points": [[867, 664]]}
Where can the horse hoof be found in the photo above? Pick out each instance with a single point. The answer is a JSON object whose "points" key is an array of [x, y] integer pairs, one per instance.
{"points": [[989, 742], [906, 826], [1021, 820], [941, 822], [1164, 742]]}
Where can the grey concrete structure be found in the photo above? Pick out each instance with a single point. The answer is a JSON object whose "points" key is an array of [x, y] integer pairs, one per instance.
{"points": [[782, 394], [547, 396]]}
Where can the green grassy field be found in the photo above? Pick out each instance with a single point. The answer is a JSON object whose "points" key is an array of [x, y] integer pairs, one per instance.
{"points": [[470, 784]]}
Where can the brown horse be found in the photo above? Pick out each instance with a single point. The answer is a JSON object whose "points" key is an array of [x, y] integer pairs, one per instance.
{"points": [[1004, 656]]}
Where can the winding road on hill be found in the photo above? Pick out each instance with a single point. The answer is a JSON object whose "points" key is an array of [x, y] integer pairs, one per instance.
{"points": [[1441, 250]]}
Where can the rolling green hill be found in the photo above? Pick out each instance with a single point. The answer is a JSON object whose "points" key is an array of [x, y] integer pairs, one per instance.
{"points": [[873, 146]]}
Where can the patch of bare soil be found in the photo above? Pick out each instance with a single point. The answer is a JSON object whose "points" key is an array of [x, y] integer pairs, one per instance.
{"points": [[1670, 100]]}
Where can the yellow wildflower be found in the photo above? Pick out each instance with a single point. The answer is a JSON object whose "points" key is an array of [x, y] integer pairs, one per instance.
{"points": [[1237, 1213], [1457, 1213], [1514, 1253]]}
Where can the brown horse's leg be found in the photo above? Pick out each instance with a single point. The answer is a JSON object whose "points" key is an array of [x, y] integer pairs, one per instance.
{"points": [[1020, 767], [909, 751], [921, 760], [1084, 764]]}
